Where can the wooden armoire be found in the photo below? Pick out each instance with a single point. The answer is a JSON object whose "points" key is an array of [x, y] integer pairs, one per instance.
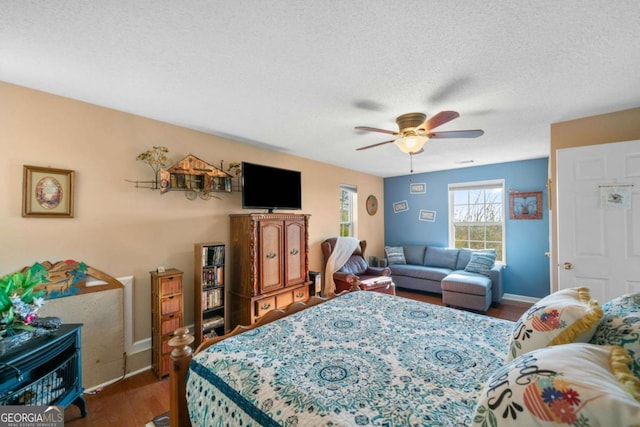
{"points": [[269, 264]]}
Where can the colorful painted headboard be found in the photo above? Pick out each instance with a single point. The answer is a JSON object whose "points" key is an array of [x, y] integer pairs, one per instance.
{"points": [[69, 277]]}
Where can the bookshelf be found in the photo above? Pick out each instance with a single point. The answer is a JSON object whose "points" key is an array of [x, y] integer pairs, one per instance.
{"points": [[209, 299]]}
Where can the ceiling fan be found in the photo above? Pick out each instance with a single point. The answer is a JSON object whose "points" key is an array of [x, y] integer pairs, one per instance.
{"points": [[415, 130]]}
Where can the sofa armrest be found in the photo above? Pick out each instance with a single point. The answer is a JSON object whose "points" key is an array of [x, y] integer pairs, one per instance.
{"points": [[378, 271], [497, 287]]}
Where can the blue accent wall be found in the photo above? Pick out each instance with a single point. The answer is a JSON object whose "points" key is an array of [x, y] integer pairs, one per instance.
{"points": [[527, 241]]}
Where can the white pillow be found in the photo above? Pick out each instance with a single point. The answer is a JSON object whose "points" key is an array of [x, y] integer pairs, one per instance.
{"points": [[568, 315], [576, 384]]}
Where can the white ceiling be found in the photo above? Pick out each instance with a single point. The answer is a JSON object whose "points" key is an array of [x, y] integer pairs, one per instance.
{"points": [[296, 76]]}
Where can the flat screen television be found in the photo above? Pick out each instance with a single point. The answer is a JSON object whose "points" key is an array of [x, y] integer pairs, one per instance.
{"points": [[268, 187]]}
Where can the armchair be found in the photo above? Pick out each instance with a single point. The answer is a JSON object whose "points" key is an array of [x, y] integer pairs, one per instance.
{"points": [[356, 273]]}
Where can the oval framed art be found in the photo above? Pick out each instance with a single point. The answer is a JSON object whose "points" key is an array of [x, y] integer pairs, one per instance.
{"points": [[47, 192], [372, 205]]}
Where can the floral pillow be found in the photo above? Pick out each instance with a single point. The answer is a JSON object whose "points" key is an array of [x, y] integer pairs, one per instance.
{"points": [[568, 315], [576, 384], [620, 325]]}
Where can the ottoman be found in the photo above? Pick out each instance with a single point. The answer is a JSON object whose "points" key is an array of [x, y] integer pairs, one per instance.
{"points": [[467, 290]]}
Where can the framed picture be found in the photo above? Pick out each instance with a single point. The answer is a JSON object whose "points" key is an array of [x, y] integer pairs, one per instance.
{"points": [[417, 188], [400, 206], [429, 216], [47, 192], [615, 195], [525, 205], [372, 205]]}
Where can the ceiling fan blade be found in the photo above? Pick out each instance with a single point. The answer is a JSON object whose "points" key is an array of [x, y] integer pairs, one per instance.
{"points": [[457, 134], [374, 145], [438, 120], [370, 129]]}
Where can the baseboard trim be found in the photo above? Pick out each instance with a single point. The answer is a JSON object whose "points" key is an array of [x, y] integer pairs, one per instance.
{"points": [[99, 387], [520, 298]]}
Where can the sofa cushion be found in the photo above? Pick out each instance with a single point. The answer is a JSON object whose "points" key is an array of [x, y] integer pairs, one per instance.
{"points": [[441, 257], [395, 254], [464, 256], [620, 325], [466, 283], [481, 263], [419, 272], [574, 384], [414, 254]]}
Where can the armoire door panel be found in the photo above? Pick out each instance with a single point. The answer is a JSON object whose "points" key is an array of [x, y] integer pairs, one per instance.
{"points": [[271, 260], [295, 257]]}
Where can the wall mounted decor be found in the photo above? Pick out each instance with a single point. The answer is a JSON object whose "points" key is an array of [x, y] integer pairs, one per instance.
{"points": [[615, 195], [372, 205], [47, 192], [429, 216], [400, 206], [417, 188], [195, 177], [156, 158], [525, 205]]}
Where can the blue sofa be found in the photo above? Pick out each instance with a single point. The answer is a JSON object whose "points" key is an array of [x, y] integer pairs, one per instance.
{"points": [[445, 271]]}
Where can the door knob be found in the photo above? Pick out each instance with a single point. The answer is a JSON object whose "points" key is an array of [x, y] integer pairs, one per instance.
{"points": [[567, 266]]}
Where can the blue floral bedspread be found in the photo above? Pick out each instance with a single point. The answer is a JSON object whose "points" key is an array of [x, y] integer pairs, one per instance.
{"points": [[363, 359]]}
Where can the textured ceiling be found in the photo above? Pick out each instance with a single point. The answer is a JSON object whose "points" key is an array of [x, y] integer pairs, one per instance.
{"points": [[297, 76]]}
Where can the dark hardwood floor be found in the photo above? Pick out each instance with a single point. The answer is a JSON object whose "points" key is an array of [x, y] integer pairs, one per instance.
{"points": [[134, 401], [509, 310]]}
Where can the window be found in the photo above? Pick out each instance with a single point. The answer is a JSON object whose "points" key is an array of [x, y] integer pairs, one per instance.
{"points": [[348, 209], [476, 216]]}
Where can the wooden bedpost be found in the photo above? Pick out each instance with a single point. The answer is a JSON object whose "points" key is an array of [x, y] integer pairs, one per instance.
{"points": [[180, 358]]}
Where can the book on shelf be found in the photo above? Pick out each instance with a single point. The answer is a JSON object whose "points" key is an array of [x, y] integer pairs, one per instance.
{"points": [[213, 276], [213, 322], [212, 255], [219, 275], [212, 298]]}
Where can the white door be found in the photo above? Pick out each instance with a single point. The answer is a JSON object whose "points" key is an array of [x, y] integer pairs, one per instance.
{"points": [[599, 218]]}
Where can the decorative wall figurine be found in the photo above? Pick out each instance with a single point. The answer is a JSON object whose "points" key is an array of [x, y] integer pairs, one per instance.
{"points": [[192, 175]]}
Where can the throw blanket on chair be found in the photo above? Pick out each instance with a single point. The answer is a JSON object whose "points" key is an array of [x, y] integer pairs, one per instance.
{"points": [[343, 250]]}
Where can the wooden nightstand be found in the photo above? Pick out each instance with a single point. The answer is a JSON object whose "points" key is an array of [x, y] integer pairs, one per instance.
{"points": [[166, 316]]}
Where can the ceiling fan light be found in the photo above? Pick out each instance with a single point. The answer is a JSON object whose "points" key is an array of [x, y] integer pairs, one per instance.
{"points": [[411, 143]]}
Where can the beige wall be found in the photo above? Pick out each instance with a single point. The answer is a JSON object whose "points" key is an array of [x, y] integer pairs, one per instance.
{"points": [[124, 230], [601, 129]]}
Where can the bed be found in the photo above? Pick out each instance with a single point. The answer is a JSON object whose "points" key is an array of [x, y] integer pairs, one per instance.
{"points": [[363, 358], [372, 359]]}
